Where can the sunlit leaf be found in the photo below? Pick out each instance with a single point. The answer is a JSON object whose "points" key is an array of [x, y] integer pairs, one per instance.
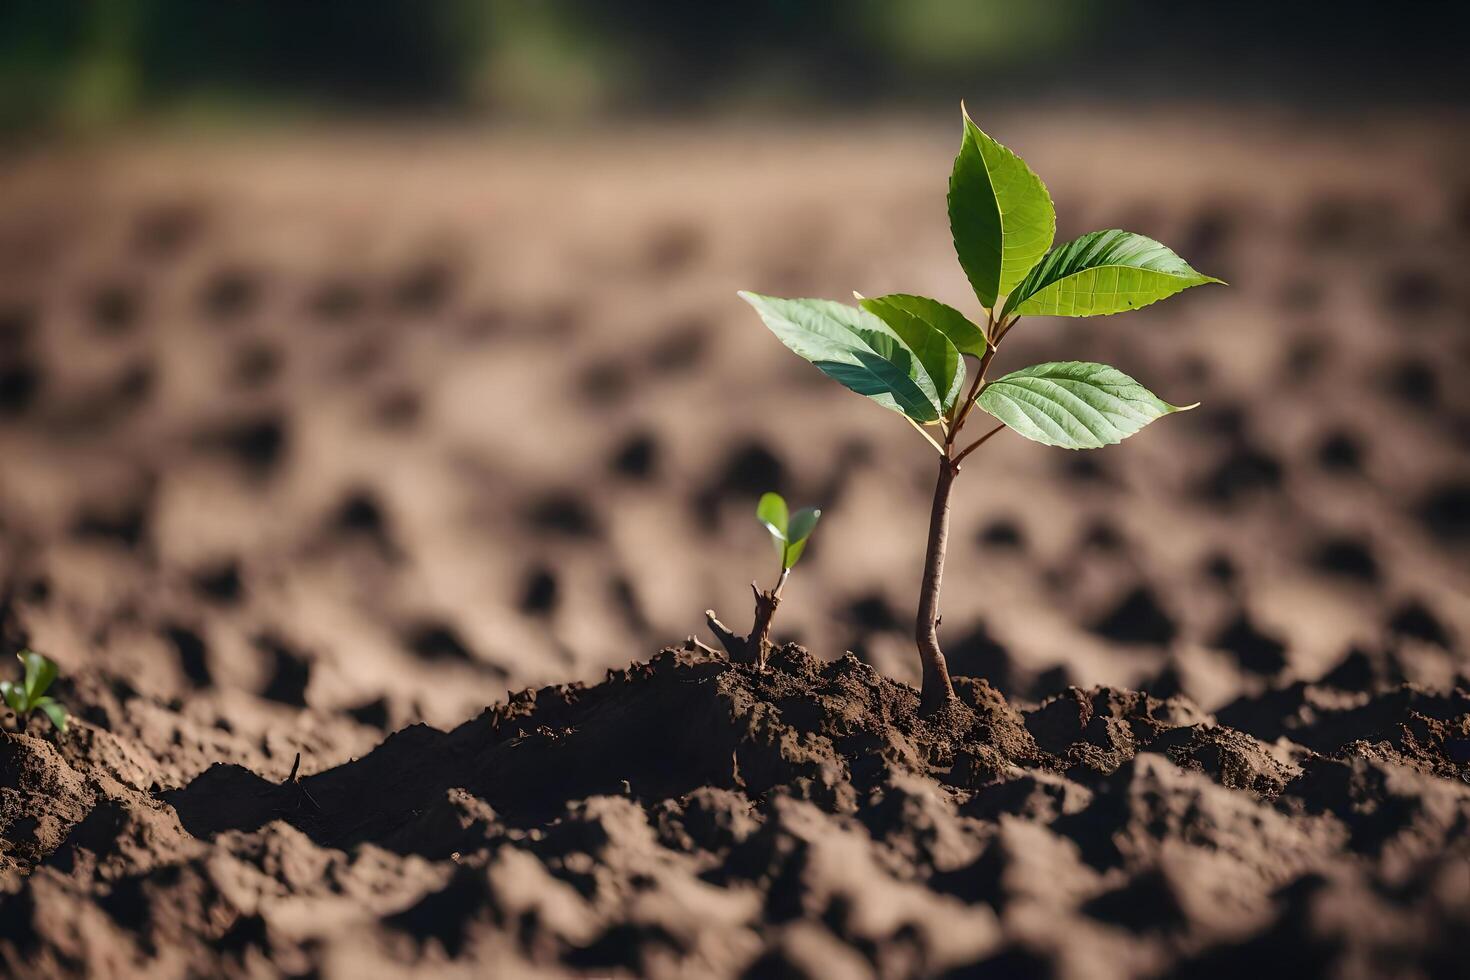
{"points": [[1000, 215], [1073, 404], [1102, 272], [966, 336], [937, 355], [55, 712], [926, 327], [40, 672], [14, 697], [803, 522], [854, 348], [771, 511]]}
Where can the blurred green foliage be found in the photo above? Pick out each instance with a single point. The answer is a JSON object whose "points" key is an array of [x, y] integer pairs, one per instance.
{"points": [[83, 63]]}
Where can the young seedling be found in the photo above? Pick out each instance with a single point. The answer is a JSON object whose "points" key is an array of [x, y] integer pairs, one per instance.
{"points": [[908, 353], [789, 532], [30, 695]]}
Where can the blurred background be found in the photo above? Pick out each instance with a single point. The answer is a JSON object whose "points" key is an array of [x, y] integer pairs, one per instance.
{"points": [[78, 65], [362, 361]]}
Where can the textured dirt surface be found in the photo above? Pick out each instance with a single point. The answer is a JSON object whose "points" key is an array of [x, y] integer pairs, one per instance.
{"points": [[315, 447]]}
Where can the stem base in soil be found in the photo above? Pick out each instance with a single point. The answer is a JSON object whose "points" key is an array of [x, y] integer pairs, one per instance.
{"points": [[937, 692]]}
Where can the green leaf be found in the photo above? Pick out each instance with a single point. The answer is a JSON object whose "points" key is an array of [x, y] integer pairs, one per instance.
{"points": [[936, 353], [803, 522], [1073, 404], [925, 326], [771, 511], [1000, 215], [54, 711], [40, 672], [966, 336], [1100, 273], [14, 698], [854, 348]]}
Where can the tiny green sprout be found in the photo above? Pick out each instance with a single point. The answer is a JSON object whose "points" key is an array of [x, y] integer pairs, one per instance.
{"points": [[908, 353], [790, 533], [30, 695]]}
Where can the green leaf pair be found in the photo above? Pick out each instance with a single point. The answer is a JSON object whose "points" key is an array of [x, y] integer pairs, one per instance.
{"points": [[907, 352], [892, 349], [1003, 223], [789, 531], [30, 694]]}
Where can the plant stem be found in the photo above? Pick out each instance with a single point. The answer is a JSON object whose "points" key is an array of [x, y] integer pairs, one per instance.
{"points": [[974, 392], [977, 443], [766, 602], [781, 582], [937, 691]]}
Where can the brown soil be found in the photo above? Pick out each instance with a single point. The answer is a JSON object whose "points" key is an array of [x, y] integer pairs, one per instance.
{"points": [[313, 448], [689, 816]]}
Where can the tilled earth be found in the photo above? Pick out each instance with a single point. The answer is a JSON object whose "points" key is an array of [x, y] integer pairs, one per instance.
{"points": [[308, 440]]}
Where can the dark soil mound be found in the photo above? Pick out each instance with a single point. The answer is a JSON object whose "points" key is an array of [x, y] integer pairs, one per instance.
{"points": [[689, 816]]}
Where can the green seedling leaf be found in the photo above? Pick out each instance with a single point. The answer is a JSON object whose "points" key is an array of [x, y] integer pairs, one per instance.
{"points": [[1100, 273], [1000, 214], [30, 695], [854, 348], [771, 511], [803, 522], [54, 711], [789, 535], [40, 672], [937, 354], [891, 369], [1073, 404], [966, 336], [930, 329]]}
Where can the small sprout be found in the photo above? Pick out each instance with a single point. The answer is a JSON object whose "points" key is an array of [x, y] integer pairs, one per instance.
{"points": [[30, 695], [789, 533], [908, 353]]}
